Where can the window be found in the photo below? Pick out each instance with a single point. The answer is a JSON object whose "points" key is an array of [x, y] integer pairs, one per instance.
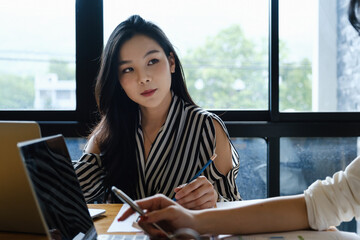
{"points": [[319, 52], [252, 176], [223, 47], [304, 160], [37, 54]]}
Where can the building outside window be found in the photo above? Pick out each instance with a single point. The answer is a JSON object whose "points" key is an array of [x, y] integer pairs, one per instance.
{"points": [[37, 41]]}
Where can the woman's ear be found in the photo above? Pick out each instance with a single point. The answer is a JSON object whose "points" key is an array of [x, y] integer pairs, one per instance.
{"points": [[172, 62]]}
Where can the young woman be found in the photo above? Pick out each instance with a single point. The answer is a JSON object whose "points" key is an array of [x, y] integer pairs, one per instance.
{"points": [[152, 138]]}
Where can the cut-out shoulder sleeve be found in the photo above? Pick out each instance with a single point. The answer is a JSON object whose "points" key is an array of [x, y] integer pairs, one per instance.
{"points": [[225, 185], [91, 176]]}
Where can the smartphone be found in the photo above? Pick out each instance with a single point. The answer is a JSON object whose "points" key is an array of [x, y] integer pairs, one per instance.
{"points": [[126, 199]]}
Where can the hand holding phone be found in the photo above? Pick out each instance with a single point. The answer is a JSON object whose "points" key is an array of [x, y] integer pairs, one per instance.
{"points": [[126, 199]]}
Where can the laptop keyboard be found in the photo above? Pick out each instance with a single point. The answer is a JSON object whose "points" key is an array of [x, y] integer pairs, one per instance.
{"points": [[123, 237]]}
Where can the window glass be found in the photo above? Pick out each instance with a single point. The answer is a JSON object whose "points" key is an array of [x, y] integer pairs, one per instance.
{"points": [[304, 160], [319, 54], [223, 46], [75, 147], [252, 176], [37, 55]]}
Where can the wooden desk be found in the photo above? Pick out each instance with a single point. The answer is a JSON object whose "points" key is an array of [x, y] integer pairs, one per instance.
{"points": [[102, 223]]}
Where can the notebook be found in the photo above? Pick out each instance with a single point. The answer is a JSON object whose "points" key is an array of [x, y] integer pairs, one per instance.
{"points": [[13, 201], [61, 205]]}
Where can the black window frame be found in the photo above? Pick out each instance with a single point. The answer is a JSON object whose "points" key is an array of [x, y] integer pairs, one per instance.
{"points": [[268, 124]]}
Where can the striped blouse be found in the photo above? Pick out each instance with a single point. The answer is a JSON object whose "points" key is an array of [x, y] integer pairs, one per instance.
{"points": [[182, 147]]}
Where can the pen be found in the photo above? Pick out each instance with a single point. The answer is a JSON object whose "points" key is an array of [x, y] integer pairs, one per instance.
{"points": [[201, 170], [126, 199]]}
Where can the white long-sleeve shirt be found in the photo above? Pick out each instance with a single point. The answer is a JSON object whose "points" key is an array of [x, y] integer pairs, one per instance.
{"points": [[334, 200]]}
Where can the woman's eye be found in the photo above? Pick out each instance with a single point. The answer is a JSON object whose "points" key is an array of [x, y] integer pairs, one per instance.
{"points": [[153, 61], [127, 70]]}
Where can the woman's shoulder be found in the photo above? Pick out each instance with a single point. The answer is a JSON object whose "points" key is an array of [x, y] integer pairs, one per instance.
{"points": [[92, 146], [207, 116], [196, 110]]}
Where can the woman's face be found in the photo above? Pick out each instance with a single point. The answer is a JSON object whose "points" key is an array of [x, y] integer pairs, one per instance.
{"points": [[145, 71]]}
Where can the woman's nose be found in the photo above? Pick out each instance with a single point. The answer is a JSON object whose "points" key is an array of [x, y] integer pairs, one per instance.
{"points": [[143, 78]]}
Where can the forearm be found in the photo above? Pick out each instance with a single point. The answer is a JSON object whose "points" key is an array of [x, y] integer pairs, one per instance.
{"points": [[269, 215]]}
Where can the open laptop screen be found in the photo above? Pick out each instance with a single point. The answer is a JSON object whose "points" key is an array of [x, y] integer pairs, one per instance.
{"points": [[57, 189]]}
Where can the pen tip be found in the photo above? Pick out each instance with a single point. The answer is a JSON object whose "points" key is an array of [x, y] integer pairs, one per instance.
{"points": [[213, 156]]}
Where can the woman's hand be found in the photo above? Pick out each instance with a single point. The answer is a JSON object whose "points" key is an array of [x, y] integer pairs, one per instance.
{"points": [[163, 211], [198, 194]]}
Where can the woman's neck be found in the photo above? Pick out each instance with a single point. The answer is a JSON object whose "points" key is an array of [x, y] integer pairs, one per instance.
{"points": [[154, 118], [151, 121]]}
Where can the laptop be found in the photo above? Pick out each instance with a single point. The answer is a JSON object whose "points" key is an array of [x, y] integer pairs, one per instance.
{"points": [[17, 204], [62, 209], [18, 209]]}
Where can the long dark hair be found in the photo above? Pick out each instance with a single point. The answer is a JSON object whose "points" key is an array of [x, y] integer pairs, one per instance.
{"points": [[353, 14], [115, 133]]}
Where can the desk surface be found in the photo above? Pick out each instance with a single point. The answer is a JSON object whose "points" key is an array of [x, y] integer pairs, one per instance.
{"points": [[102, 223]]}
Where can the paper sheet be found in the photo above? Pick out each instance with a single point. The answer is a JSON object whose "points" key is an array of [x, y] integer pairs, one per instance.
{"points": [[124, 226]]}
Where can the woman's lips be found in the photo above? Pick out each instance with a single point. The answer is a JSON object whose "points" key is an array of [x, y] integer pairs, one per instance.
{"points": [[148, 93]]}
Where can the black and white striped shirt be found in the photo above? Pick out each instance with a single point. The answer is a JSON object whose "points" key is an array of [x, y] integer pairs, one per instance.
{"points": [[182, 147]]}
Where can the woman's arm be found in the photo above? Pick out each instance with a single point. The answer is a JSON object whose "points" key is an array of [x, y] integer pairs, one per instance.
{"points": [[268, 215], [336, 199], [90, 172], [223, 161], [200, 193], [91, 175]]}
